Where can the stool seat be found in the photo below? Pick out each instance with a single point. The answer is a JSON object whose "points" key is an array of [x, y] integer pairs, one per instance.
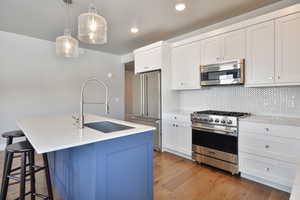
{"points": [[17, 133], [19, 147]]}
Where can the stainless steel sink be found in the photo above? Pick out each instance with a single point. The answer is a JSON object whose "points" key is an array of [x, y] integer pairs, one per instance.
{"points": [[107, 126]]}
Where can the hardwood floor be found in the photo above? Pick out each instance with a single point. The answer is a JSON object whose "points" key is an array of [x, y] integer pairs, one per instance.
{"points": [[180, 179]]}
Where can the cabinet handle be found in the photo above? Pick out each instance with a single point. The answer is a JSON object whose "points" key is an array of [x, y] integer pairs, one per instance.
{"points": [[267, 146], [176, 125], [278, 77], [173, 125], [267, 129], [267, 169], [181, 83]]}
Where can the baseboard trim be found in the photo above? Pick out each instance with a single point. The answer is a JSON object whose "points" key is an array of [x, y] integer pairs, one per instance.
{"points": [[177, 153], [266, 182]]}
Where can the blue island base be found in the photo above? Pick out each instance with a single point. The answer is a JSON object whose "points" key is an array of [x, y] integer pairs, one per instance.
{"points": [[116, 169]]}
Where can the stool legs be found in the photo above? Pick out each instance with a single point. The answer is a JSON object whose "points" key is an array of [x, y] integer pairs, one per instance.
{"points": [[5, 175], [9, 141], [32, 175], [22, 182], [48, 179], [23, 177]]}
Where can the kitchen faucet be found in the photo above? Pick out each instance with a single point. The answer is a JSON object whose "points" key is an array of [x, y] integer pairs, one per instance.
{"points": [[82, 102]]}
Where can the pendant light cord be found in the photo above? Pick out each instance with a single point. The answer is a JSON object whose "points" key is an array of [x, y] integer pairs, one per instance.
{"points": [[68, 24]]}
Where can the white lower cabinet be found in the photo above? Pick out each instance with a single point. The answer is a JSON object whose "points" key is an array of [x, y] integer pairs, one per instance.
{"points": [[267, 156], [177, 136], [267, 170]]}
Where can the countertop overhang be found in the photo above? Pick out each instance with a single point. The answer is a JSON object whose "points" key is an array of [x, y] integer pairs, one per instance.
{"points": [[57, 132]]}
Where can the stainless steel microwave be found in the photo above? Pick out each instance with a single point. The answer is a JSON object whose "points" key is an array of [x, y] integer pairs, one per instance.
{"points": [[230, 72]]}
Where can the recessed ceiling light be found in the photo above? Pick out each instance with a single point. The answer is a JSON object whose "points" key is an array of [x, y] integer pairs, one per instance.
{"points": [[134, 30], [180, 6]]}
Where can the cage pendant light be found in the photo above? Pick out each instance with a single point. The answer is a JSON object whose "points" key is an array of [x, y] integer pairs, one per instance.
{"points": [[92, 28], [66, 45]]}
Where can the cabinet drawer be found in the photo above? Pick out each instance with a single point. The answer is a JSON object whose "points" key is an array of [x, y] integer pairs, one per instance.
{"points": [[284, 149], [270, 129], [180, 118], [272, 170]]}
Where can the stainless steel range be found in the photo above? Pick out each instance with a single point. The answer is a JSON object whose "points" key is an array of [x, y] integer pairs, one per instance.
{"points": [[215, 138]]}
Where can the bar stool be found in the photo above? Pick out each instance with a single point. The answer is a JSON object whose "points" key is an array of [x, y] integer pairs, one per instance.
{"points": [[9, 136], [26, 150]]}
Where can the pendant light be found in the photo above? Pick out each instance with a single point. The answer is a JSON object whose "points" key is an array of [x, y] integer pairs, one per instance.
{"points": [[92, 28], [66, 45]]}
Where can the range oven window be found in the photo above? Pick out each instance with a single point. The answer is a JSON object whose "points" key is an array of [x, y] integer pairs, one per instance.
{"points": [[220, 75], [216, 141]]}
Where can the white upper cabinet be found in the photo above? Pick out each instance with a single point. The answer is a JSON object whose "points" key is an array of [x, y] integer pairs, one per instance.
{"points": [[288, 48], [212, 50], [224, 47], [234, 45], [148, 58], [260, 59], [273, 52], [186, 66]]}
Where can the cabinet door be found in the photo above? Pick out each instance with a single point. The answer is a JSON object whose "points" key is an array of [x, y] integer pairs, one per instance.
{"points": [[170, 137], [184, 139], [148, 60], [212, 50], [235, 45], [288, 48], [260, 59], [186, 66]]}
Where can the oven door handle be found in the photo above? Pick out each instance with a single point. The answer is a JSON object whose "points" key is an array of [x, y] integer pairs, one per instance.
{"points": [[224, 132]]}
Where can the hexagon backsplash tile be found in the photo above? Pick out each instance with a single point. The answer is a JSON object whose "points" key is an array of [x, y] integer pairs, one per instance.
{"points": [[266, 101]]}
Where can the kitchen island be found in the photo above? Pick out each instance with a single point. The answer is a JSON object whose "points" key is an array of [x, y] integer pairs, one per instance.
{"points": [[91, 165]]}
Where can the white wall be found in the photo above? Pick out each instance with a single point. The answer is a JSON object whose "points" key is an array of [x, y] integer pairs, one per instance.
{"points": [[34, 81]]}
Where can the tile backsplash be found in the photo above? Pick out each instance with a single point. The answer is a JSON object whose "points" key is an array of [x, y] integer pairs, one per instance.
{"points": [[284, 101]]}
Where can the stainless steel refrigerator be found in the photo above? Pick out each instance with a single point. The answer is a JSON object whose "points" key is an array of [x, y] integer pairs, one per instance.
{"points": [[143, 100]]}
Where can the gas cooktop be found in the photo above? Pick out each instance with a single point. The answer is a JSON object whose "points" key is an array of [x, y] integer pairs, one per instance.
{"points": [[215, 117], [223, 113]]}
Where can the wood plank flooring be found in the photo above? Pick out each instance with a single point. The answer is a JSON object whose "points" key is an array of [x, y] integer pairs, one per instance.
{"points": [[176, 178], [180, 179]]}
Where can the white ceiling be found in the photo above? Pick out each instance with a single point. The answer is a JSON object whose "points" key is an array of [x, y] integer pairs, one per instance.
{"points": [[156, 19]]}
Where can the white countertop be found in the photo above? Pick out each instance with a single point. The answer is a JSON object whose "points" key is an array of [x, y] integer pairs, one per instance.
{"points": [[56, 132], [290, 121]]}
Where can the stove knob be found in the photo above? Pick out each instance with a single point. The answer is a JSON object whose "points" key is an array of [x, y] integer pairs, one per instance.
{"points": [[223, 121], [229, 122], [211, 120], [217, 120], [205, 120]]}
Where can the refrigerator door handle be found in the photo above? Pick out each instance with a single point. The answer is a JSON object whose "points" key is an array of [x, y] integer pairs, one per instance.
{"points": [[146, 97], [142, 95], [159, 96]]}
